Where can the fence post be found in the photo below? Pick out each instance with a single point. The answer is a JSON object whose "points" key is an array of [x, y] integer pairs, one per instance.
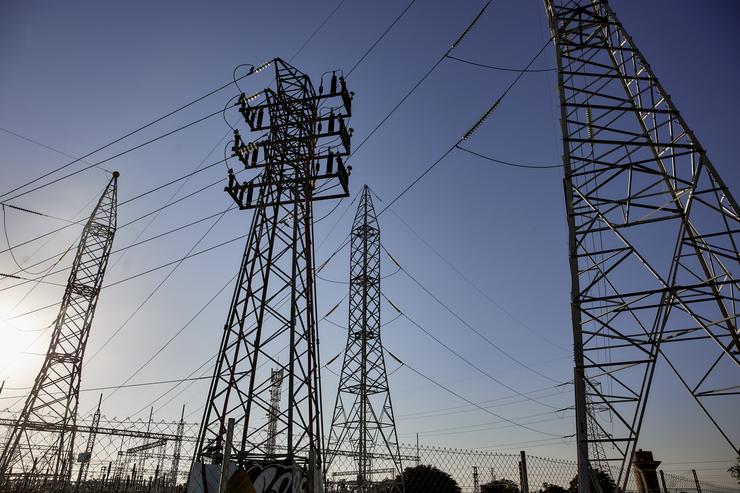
{"points": [[696, 481], [662, 480], [523, 478], [226, 460]]}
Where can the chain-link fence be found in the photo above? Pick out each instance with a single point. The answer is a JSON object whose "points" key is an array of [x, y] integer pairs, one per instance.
{"points": [[688, 482], [123, 455], [154, 456]]}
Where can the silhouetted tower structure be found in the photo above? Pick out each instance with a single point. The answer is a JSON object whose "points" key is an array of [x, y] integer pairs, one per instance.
{"points": [[177, 450], [272, 319], [653, 241], [476, 481], [51, 407], [86, 456], [272, 415], [363, 426]]}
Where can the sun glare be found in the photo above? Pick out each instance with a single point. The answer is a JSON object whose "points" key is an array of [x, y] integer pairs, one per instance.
{"points": [[23, 340]]}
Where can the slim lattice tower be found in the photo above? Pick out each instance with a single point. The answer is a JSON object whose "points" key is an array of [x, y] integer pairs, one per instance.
{"points": [[272, 415], [363, 426], [653, 242], [86, 456], [51, 406], [272, 319], [177, 449]]}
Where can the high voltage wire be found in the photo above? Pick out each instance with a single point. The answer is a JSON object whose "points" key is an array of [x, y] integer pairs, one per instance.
{"points": [[472, 403], [455, 430], [467, 279], [468, 325], [139, 218], [115, 156], [463, 358], [424, 77], [119, 139], [463, 409], [504, 69], [469, 133], [316, 31], [509, 163], [380, 38], [48, 147]]}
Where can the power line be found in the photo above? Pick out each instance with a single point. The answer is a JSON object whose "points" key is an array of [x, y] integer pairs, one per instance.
{"points": [[468, 280], [380, 38], [316, 31], [470, 132], [466, 324], [504, 69], [425, 76], [463, 358], [169, 341], [509, 163], [130, 385], [122, 153], [154, 291], [119, 139], [472, 403], [129, 246]]}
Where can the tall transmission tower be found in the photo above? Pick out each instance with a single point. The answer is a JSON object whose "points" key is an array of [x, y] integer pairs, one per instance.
{"points": [[276, 382], [177, 450], [363, 425], [86, 456], [272, 319], [653, 241], [54, 397]]}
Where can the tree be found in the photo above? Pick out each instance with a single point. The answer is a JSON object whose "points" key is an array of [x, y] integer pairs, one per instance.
{"points": [[500, 486], [603, 478], [552, 488], [423, 479], [735, 470]]}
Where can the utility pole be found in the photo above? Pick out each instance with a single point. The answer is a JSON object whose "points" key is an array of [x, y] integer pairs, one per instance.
{"points": [[51, 406], [363, 424], [653, 241], [272, 317]]}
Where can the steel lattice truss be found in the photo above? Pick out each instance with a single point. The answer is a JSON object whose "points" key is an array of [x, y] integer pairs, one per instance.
{"points": [[363, 425], [272, 321], [653, 241], [54, 397]]}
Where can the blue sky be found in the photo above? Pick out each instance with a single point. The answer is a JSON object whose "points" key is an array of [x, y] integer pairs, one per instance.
{"points": [[77, 75]]}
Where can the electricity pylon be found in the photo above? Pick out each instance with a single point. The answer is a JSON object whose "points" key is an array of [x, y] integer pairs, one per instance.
{"points": [[272, 319], [86, 456], [653, 241], [272, 415], [46, 455], [177, 450], [363, 426]]}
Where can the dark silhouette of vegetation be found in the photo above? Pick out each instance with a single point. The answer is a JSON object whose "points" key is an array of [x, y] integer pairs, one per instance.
{"points": [[500, 486], [735, 470], [604, 480], [423, 479], [552, 488]]}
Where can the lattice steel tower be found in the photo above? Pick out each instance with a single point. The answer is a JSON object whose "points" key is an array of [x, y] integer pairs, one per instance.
{"points": [[272, 319], [653, 241], [363, 426], [46, 455]]}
